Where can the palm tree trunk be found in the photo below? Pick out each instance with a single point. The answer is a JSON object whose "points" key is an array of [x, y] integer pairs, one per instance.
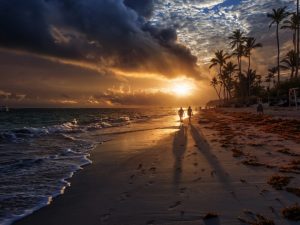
{"points": [[294, 40], [220, 90], [278, 53], [248, 78], [217, 92], [298, 37]]}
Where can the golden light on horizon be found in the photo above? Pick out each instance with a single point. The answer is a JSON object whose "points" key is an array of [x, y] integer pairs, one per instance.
{"points": [[182, 88]]}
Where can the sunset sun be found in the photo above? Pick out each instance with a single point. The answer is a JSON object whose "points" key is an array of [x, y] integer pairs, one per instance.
{"points": [[182, 89]]}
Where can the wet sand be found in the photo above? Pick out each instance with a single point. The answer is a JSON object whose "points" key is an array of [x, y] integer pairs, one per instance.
{"points": [[186, 175]]}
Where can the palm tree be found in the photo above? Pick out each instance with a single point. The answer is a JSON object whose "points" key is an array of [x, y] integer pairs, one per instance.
{"points": [[298, 38], [254, 78], [220, 60], [250, 45], [229, 70], [271, 73], [290, 62], [277, 17], [268, 80], [236, 41], [214, 82], [292, 24]]}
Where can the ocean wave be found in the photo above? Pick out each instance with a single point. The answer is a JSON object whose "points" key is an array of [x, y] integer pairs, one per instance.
{"points": [[30, 183], [36, 162], [73, 126], [22, 134]]}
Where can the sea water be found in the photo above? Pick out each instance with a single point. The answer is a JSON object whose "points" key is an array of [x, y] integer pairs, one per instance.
{"points": [[41, 148]]}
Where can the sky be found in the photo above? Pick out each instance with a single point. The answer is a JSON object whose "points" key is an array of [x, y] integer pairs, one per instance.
{"points": [[123, 53]]}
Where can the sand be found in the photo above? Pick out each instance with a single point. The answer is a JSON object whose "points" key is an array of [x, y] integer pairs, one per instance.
{"points": [[179, 174]]}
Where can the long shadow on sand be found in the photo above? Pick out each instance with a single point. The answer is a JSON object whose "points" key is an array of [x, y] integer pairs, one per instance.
{"points": [[179, 148], [205, 149]]}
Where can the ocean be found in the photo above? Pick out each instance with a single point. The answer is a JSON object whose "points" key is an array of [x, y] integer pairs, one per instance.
{"points": [[41, 148]]}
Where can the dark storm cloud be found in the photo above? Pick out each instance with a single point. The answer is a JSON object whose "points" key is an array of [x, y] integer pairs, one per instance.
{"points": [[108, 33], [142, 7]]}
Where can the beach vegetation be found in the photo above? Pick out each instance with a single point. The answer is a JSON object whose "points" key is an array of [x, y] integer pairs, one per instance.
{"points": [[237, 82]]}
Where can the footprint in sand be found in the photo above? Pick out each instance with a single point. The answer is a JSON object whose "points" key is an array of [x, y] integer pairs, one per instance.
{"points": [[150, 222], [151, 182], [212, 173], [175, 205], [105, 217], [131, 178], [152, 170], [124, 196], [197, 179], [143, 171], [182, 190], [243, 181], [182, 213], [140, 166], [273, 211], [178, 170]]}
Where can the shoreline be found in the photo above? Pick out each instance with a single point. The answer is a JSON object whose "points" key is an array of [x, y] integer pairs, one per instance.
{"points": [[178, 177], [100, 156]]}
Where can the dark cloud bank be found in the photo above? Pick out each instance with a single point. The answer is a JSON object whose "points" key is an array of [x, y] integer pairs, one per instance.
{"points": [[108, 33]]}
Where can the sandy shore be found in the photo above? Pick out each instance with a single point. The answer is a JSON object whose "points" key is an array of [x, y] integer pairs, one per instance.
{"points": [[212, 172]]}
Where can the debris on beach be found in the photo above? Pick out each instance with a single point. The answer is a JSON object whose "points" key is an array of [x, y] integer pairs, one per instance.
{"points": [[256, 219], [295, 191], [292, 212], [237, 153], [210, 215], [279, 182]]}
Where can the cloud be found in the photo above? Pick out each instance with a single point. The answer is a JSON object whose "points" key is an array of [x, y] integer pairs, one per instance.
{"points": [[8, 96], [204, 26], [105, 34]]}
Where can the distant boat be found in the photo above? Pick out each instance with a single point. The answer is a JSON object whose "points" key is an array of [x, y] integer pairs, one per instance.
{"points": [[4, 108]]}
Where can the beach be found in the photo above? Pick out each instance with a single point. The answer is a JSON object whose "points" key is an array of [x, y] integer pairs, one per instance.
{"points": [[216, 170]]}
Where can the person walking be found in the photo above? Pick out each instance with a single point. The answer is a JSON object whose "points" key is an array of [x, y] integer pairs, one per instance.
{"points": [[190, 113], [181, 114]]}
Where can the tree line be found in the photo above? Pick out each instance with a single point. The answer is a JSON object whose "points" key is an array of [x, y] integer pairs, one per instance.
{"points": [[237, 79]]}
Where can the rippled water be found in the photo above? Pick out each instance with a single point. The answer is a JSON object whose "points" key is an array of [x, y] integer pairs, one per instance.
{"points": [[41, 148]]}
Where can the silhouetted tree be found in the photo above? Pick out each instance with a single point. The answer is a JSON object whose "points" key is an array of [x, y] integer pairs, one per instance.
{"points": [[214, 82], [250, 45], [236, 41], [254, 80], [229, 69], [298, 38], [277, 16], [292, 24], [290, 62], [271, 74], [219, 60]]}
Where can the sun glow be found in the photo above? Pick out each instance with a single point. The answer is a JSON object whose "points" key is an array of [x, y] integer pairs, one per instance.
{"points": [[182, 88]]}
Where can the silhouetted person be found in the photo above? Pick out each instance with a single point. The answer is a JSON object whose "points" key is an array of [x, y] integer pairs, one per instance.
{"points": [[180, 113], [190, 113], [260, 109]]}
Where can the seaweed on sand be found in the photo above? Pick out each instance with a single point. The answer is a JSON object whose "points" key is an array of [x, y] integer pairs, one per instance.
{"points": [[237, 153], [295, 191], [278, 182], [210, 215], [291, 212], [257, 220]]}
